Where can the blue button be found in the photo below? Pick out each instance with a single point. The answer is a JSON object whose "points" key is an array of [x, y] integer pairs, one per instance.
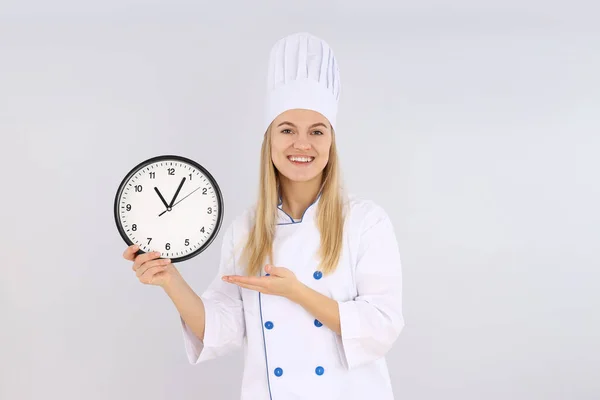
{"points": [[269, 325], [278, 372], [320, 370], [317, 274], [268, 275], [318, 323]]}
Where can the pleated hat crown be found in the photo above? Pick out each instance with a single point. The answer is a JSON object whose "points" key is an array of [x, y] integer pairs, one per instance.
{"points": [[302, 73]]}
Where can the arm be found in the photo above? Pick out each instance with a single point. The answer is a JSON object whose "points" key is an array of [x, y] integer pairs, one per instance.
{"points": [[213, 323], [369, 324], [323, 308], [188, 304], [372, 321]]}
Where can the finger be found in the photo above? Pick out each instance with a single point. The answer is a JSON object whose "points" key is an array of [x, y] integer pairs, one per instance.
{"points": [[273, 270], [151, 264], [249, 280], [149, 273], [129, 253], [142, 258], [251, 287]]}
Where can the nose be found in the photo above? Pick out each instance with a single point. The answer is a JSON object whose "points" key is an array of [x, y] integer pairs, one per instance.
{"points": [[302, 144]]}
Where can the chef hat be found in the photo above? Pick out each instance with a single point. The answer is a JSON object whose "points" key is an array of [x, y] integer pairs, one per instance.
{"points": [[302, 73]]}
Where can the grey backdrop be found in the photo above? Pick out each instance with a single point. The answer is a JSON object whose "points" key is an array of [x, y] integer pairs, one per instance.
{"points": [[475, 125]]}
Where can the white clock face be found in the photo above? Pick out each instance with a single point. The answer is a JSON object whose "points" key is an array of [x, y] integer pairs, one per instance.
{"points": [[171, 206]]}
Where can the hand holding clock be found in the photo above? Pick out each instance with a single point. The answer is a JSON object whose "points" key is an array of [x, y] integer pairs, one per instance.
{"points": [[149, 268]]}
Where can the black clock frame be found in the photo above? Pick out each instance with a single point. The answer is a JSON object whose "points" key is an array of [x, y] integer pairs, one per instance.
{"points": [[170, 157]]}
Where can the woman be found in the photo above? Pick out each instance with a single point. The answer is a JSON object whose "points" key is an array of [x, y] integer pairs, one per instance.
{"points": [[309, 281]]}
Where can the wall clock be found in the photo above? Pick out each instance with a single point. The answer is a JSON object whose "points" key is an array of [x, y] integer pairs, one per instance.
{"points": [[169, 204]]}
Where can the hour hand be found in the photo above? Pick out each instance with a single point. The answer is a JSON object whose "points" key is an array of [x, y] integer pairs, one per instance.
{"points": [[161, 197]]}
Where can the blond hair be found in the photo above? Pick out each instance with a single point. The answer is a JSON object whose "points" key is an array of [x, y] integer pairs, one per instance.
{"points": [[330, 215]]}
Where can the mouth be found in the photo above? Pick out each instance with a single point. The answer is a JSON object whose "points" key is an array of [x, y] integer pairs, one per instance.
{"points": [[301, 160]]}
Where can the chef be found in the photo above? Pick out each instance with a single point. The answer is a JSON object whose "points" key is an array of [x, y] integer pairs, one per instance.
{"points": [[309, 282]]}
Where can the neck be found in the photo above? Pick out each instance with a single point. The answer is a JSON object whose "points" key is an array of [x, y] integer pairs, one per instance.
{"points": [[298, 196]]}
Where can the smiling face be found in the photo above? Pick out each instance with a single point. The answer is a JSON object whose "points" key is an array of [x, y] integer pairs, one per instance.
{"points": [[300, 144]]}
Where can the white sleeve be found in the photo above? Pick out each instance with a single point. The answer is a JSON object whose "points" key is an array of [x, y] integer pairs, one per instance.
{"points": [[224, 314], [373, 320]]}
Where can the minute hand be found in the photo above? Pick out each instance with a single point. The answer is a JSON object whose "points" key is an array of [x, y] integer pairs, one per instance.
{"points": [[177, 192]]}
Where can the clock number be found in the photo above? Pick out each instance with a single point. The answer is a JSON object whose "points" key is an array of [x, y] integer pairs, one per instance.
{"points": [[171, 171], [202, 230], [149, 240], [152, 175], [187, 242], [209, 210], [168, 246], [128, 207], [190, 177], [203, 190], [138, 188], [134, 227]]}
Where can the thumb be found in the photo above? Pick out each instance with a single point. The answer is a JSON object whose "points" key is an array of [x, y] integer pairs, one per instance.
{"points": [[273, 270]]}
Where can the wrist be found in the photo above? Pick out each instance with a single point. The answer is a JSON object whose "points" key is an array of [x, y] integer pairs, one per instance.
{"points": [[299, 293], [175, 280]]}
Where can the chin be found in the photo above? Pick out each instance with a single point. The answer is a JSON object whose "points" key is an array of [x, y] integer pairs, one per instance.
{"points": [[299, 176]]}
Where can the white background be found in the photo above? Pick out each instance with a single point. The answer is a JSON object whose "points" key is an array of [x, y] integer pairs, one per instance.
{"points": [[474, 124]]}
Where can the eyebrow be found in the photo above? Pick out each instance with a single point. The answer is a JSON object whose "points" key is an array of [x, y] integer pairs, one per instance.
{"points": [[312, 126]]}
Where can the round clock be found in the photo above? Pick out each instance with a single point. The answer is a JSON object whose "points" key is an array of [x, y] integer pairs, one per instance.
{"points": [[169, 204]]}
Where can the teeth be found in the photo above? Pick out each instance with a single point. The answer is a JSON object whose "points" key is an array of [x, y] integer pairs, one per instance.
{"points": [[301, 159]]}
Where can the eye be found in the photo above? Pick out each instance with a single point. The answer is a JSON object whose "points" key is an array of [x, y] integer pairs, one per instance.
{"points": [[286, 130], [317, 132]]}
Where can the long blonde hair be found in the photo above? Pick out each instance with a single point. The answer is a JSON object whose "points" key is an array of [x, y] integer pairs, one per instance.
{"points": [[330, 213]]}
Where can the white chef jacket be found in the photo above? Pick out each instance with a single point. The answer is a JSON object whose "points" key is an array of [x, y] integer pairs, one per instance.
{"points": [[288, 354]]}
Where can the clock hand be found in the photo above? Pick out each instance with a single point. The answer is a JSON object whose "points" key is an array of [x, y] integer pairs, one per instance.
{"points": [[177, 192], [161, 197], [186, 196], [180, 200]]}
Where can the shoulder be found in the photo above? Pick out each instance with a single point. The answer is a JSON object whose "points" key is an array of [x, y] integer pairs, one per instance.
{"points": [[363, 213], [240, 224]]}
